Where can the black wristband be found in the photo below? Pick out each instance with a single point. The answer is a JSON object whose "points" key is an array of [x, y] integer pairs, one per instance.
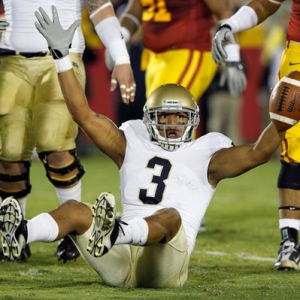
{"points": [[225, 25]]}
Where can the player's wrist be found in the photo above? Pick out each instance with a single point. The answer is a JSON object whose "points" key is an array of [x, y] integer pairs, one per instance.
{"points": [[224, 26], [126, 34], [245, 18], [109, 31], [233, 52], [122, 60], [63, 64]]}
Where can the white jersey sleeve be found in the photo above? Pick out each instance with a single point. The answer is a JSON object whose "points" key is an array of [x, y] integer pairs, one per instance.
{"points": [[153, 178], [22, 34]]}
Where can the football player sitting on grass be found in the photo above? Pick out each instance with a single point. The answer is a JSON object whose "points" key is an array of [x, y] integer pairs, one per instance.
{"points": [[167, 182]]}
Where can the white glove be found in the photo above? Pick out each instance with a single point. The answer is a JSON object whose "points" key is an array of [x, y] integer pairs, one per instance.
{"points": [[59, 40], [223, 35], [235, 77], [3, 25]]}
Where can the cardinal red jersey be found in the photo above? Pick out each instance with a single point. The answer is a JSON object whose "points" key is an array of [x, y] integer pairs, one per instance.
{"points": [[176, 24], [293, 33]]}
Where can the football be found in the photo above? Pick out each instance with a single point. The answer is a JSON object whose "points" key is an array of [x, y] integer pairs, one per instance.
{"points": [[284, 104]]}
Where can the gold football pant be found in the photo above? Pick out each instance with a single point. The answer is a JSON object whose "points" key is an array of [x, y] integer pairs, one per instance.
{"points": [[33, 112]]}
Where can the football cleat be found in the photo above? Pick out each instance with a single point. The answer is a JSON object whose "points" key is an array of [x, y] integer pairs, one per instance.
{"points": [[106, 227], [288, 256], [25, 254], [13, 229], [67, 250]]}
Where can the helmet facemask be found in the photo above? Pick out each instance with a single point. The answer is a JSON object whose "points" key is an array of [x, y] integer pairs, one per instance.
{"points": [[186, 106]]}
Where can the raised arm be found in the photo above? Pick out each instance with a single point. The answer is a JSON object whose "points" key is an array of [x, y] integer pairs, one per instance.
{"points": [[284, 111], [248, 16], [108, 29], [234, 161], [264, 8], [130, 23], [233, 73], [103, 132]]}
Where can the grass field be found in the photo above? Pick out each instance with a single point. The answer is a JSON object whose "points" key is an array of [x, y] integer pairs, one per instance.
{"points": [[233, 259]]}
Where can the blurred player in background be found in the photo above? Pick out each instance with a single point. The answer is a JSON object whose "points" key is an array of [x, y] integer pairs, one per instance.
{"points": [[288, 184], [177, 39], [32, 108]]}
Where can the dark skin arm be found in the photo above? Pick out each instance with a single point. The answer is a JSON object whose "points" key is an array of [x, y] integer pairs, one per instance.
{"points": [[234, 161], [220, 8], [102, 131], [134, 8], [264, 8]]}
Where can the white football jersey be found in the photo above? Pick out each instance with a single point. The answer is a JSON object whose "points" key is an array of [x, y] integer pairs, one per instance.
{"points": [[153, 178], [22, 34]]}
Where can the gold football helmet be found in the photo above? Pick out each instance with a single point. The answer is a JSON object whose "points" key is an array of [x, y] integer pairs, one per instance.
{"points": [[170, 98]]}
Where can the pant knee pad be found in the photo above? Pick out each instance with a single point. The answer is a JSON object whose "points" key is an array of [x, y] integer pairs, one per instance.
{"points": [[15, 178], [63, 182]]}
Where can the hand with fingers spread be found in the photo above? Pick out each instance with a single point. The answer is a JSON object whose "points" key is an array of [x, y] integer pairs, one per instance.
{"points": [[59, 40], [123, 75], [3, 24]]}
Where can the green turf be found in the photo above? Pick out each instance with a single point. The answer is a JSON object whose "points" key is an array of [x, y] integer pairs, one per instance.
{"points": [[233, 259]]}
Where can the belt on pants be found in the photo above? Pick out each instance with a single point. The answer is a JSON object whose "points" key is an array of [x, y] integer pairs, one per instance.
{"points": [[8, 52]]}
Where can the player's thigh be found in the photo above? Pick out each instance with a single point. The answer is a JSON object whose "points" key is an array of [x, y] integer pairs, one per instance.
{"points": [[290, 60], [16, 101], [290, 146], [114, 267], [54, 128], [163, 265], [190, 68]]}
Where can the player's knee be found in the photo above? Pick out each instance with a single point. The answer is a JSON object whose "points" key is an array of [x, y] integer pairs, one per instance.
{"points": [[12, 184], [72, 205], [174, 214], [63, 176], [59, 129], [12, 150], [170, 220], [78, 216], [176, 219], [170, 212], [289, 176]]}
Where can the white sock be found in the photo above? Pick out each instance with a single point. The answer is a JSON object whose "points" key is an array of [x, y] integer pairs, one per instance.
{"points": [[135, 233], [22, 202], [293, 223], [42, 228], [73, 193]]}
